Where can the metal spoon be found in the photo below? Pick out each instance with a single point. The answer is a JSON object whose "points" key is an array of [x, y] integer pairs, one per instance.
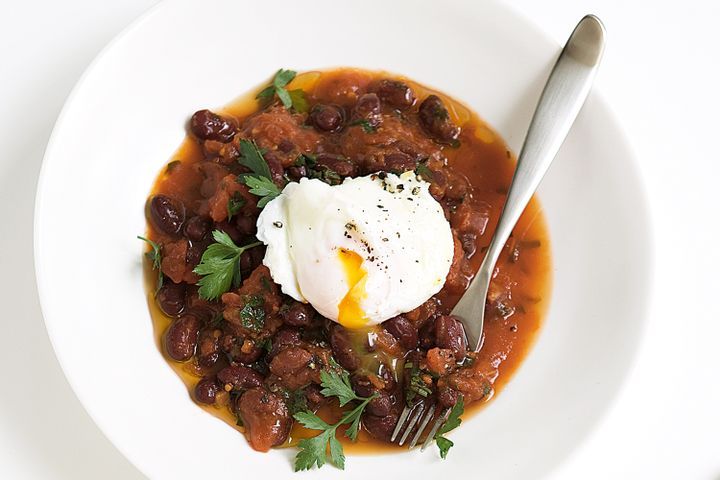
{"points": [[563, 96]]}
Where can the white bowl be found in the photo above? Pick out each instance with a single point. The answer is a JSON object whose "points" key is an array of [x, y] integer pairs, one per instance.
{"points": [[126, 117]]}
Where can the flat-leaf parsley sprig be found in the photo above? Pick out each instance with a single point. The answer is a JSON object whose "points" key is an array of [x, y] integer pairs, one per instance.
{"points": [[290, 98], [260, 181], [220, 266], [452, 422], [313, 451]]}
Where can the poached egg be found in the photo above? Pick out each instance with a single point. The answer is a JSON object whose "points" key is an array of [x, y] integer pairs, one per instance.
{"points": [[360, 252]]}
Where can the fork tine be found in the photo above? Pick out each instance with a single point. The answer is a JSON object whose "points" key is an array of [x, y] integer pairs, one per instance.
{"points": [[400, 422], [423, 424], [436, 426], [413, 420]]}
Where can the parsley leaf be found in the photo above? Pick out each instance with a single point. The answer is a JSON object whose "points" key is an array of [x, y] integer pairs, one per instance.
{"points": [[313, 451], [155, 256], [311, 421], [452, 422], [299, 101], [260, 183], [219, 266], [262, 187], [444, 445], [290, 99], [251, 157], [337, 385]]}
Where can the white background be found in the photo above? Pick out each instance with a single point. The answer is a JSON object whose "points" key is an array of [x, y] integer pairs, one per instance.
{"points": [[661, 75]]}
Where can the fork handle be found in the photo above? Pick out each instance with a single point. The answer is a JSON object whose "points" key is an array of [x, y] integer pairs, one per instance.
{"points": [[563, 96]]}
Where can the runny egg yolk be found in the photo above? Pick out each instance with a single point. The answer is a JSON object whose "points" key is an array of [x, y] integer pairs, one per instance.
{"points": [[350, 313]]}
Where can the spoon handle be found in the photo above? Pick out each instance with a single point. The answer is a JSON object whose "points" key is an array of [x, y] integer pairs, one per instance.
{"points": [[563, 96]]}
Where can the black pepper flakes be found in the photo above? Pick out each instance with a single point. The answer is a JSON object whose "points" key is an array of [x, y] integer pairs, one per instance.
{"points": [[278, 224]]}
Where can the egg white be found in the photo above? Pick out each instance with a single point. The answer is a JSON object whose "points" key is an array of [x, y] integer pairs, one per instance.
{"points": [[393, 223]]}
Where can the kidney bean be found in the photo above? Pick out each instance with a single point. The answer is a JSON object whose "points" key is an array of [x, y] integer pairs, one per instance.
{"points": [[194, 253], [198, 227], [447, 397], [290, 360], [286, 146], [296, 173], [266, 418], [368, 108], [438, 185], [380, 427], [245, 225], [240, 349], [395, 93], [457, 187], [284, 338], [171, 298], [435, 118], [251, 259], [275, 165], [399, 162], [404, 331], [313, 396], [381, 405], [205, 390], [181, 338], [426, 334], [208, 349], [449, 333], [239, 377], [207, 125], [298, 315], [327, 118], [342, 348], [338, 164], [166, 214]]}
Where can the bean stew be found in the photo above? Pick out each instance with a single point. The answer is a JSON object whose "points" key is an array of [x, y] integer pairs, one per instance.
{"points": [[262, 361]]}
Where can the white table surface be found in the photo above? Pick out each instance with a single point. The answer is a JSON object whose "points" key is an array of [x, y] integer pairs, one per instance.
{"points": [[661, 74]]}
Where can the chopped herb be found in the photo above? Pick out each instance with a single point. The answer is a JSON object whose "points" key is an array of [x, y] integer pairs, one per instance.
{"points": [[325, 174], [452, 422], [234, 205], [365, 124], [423, 171], [155, 257], [313, 451], [265, 344], [416, 386], [252, 314], [239, 422], [290, 99], [220, 266], [296, 401], [306, 160]]}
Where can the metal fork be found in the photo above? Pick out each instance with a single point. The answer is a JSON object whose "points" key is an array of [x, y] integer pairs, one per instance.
{"points": [[411, 417], [563, 96]]}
